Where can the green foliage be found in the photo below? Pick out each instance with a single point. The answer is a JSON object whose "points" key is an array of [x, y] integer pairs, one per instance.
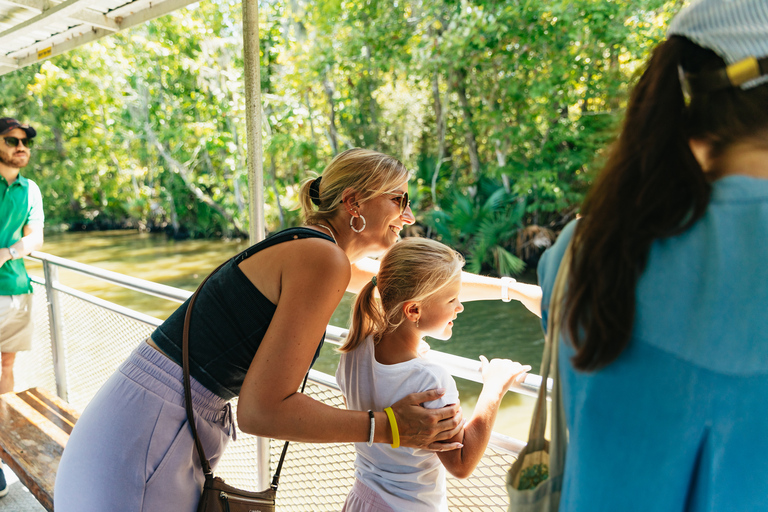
{"points": [[516, 100], [482, 224], [532, 476]]}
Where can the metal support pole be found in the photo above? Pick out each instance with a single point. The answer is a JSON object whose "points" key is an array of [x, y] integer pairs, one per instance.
{"points": [[57, 333], [252, 71], [253, 111]]}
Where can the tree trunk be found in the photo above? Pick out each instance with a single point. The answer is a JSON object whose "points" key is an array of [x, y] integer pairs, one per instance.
{"points": [[273, 175], [373, 127], [57, 136], [172, 209], [441, 127], [469, 131], [311, 124], [332, 134], [239, 160]]}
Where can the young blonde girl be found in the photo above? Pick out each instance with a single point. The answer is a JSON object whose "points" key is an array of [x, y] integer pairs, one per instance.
{"points": [[419, 281]]}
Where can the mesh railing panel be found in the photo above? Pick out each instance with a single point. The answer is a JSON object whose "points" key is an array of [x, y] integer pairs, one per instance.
{"points": [[485, 489], [35, 367], [97, 341], [315, 477]]}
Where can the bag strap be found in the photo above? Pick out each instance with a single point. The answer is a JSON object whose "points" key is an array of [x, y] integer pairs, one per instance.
{"points": [[549, 366], [300, 232], [188, 388], [559, 430]]}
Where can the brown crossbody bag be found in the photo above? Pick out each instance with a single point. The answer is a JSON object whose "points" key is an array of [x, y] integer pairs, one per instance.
{"points": [[217, 495]]}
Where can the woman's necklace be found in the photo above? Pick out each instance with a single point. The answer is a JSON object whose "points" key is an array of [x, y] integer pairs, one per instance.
{"points": [[329, 230]]}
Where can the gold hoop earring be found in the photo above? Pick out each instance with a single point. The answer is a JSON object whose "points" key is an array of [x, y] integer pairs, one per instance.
{"points": [[352, 224]]}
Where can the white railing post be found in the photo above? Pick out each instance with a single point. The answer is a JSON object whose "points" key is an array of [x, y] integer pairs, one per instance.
{"points": [[252, 75], [57, 333], [253, 111]]}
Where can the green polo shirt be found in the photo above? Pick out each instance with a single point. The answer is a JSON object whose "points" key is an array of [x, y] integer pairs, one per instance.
{"points": [[21, 204]]}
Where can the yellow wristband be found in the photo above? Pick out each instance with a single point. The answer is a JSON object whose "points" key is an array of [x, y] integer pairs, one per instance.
{"points": [[393, 426]]}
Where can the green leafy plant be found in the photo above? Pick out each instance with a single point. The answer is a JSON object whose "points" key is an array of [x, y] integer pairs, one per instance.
{"points": [[532, 476]]}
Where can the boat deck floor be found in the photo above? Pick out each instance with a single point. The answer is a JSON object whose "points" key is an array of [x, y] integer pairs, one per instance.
{"points": [[18, 499]]}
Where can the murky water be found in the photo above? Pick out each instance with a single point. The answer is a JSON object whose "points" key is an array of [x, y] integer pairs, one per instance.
{"points": [[491, 328]]}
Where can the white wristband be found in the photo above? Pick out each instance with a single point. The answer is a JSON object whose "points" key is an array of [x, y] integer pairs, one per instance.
{"points": [[373, 428], [505, 288]]}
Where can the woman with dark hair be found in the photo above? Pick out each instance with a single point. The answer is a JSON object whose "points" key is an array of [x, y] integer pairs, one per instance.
{"points": [[666, 312]]}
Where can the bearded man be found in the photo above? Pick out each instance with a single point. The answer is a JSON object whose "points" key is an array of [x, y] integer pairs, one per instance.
{"points": [[21, 232]]}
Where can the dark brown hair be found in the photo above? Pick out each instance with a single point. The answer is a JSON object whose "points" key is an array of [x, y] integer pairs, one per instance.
{"points": [[652, 187]]}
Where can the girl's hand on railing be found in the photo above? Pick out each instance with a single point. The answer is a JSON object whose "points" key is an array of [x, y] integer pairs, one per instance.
{"points": [[424, 428], [502, 373]]}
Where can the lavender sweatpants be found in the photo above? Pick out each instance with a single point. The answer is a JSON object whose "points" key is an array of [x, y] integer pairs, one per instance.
{"points": [[364, 499], [132, 450]]}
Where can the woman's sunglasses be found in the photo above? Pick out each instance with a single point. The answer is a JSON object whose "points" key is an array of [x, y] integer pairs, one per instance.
{"points": [[14, 142], [404, 201]]}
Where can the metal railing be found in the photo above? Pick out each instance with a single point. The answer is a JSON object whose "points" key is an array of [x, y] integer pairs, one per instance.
{"points": [[81, 339]]}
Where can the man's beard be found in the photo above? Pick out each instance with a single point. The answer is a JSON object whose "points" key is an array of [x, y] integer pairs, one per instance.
{"points": [[16, 162]]}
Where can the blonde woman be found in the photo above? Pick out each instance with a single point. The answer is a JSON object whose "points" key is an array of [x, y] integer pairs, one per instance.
{"points": [[419, 283], [257, 327]]}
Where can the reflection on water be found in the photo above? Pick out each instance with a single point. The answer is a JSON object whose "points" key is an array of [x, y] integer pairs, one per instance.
{"points": [[491, 328]]}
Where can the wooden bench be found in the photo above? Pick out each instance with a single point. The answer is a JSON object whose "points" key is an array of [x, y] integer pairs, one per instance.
{"points": [[34, 428]]}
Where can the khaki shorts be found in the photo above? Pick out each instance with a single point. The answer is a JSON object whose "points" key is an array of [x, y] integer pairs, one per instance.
{"points": [[16, 322]]}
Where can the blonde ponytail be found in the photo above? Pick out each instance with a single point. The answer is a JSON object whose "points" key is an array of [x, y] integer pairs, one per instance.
{"points": [[367, 318]]}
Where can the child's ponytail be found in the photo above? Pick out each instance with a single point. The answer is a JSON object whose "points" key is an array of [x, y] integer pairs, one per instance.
{"points": [[367, 318]]}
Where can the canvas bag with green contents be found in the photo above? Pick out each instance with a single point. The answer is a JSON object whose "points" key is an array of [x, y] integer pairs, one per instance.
{"points": [[534, 481]]}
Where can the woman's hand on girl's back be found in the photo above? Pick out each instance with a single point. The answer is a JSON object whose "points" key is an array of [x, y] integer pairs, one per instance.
{"points": [[428, 429], [502, 373]]}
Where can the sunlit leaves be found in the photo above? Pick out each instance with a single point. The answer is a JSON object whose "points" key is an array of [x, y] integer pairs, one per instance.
{"points": [[538, 85]]}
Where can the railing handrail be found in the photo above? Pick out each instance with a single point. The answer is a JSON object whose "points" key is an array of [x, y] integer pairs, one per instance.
{"points": [[458, 366], [130, 282]]}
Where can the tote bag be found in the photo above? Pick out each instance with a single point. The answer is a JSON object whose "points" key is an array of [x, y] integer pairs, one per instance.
{"points": [[535, 479]]}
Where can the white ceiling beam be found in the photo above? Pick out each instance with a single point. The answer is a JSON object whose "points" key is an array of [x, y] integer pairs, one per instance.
{"points": [[9, 63], [34, 47], [39, 22], [152, 12], [37, 6], [95, 19], [130, 8], [69, 44], [38, 51]]}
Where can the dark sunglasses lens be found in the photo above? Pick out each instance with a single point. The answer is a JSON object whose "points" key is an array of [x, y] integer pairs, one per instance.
{"points": [[14, 141], [404, 202]]}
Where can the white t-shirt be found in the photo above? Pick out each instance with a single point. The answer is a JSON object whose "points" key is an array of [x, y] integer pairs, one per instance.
{"points": [[407, 479]]}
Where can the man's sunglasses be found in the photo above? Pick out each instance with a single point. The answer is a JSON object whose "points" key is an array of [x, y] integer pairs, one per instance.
{"points": [[14, 142], [404, 201]]}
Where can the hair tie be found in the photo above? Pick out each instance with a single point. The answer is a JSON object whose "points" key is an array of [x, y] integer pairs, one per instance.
{"points": [[373, 280], [314, 191]]}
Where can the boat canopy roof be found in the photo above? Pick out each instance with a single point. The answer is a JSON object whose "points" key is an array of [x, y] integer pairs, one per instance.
{"points": [[35, 30]]}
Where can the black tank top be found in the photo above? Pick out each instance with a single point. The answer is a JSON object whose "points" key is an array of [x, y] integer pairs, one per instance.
{"points": [[228, 322]]}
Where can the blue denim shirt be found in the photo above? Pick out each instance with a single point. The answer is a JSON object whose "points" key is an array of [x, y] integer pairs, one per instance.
{"points": [[679, 421]]}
